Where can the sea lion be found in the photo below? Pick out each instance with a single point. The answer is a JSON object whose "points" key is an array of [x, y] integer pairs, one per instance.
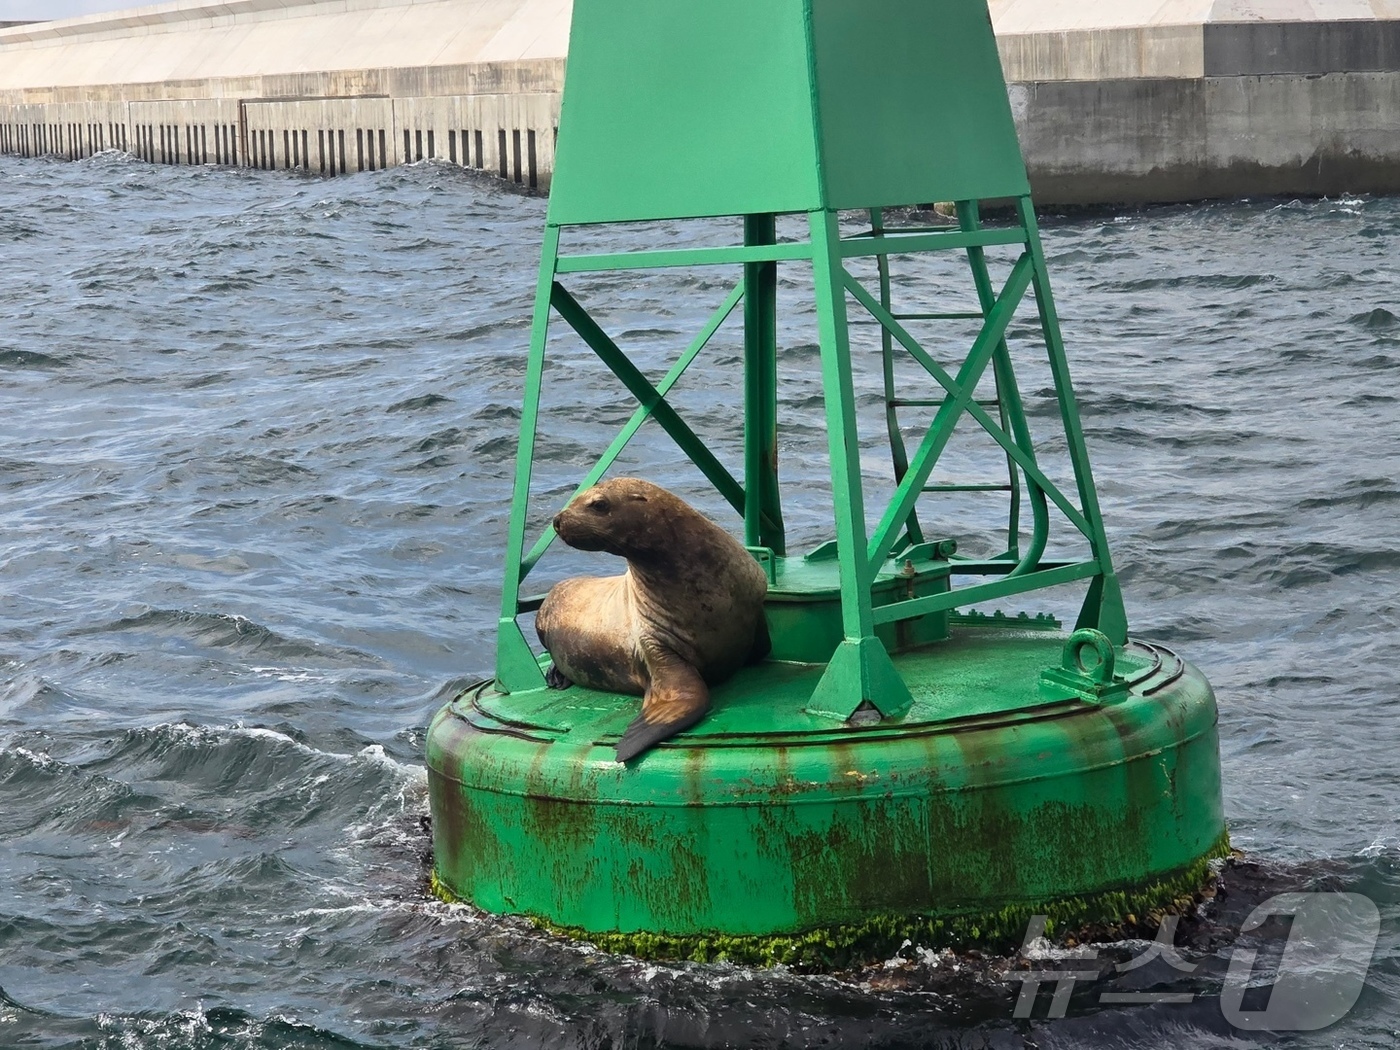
{"points": [[686, 614]]}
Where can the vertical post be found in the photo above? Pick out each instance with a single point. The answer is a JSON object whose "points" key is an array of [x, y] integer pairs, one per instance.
{"points": [[241, 147], [517, 670], [898, 454], [860, 670], [843, 442], [1103, 606], [761, 498]]}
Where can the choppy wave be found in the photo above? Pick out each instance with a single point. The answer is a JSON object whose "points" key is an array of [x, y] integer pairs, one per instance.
{"points": [[258, 434], [234, 633]]}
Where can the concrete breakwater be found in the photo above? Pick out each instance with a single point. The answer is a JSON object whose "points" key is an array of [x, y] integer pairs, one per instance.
{"points": [[1115, 100], [511, 136], [1169, 100], [329, 88]]}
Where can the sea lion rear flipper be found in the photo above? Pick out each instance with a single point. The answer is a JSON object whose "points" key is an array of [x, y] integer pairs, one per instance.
{"points": [[676, 699]]}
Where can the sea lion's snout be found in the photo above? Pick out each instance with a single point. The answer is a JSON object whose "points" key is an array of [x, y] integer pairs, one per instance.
{"points": [[588, 522], [561, 526], [576, 528]]}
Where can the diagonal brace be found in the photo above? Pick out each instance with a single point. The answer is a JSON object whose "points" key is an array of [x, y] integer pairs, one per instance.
{"points": [[640, 416], [642, 389], [1023, 458], [960, 395]]}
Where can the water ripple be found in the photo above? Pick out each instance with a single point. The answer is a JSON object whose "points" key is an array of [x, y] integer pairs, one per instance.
{"points": [[257, 450]]}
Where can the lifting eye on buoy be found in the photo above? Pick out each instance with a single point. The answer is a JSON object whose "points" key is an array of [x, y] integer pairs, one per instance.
{"points": [[1087, 670], [1090, 653]]}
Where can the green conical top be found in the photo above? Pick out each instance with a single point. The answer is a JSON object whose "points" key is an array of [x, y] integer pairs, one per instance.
{"points": [[727, 107]]}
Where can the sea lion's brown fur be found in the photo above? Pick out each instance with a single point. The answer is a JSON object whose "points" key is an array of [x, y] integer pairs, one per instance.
{"points": [[686, 614]]}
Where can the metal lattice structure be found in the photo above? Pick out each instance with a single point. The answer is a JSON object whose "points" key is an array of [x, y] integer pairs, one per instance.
{"points": [[779, 119]]}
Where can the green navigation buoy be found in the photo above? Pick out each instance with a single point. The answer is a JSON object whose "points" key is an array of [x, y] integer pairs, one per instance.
{"points": [[901, 766]]}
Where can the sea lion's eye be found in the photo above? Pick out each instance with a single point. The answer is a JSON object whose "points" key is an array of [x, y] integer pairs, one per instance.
{"points": [[599, 505]]}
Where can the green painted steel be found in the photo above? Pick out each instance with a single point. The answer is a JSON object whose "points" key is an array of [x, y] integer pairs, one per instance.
{"points": [[845, 91], [735, 107], [899, 766], [1002, 786], [763, 514], [685, 109]]}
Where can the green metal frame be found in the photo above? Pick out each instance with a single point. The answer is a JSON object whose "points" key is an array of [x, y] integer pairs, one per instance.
{"points": [[861, 669], [1016, 771]]}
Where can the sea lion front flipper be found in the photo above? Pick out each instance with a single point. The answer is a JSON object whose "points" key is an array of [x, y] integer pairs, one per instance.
{"points": [[557, 679], [676, 699]]}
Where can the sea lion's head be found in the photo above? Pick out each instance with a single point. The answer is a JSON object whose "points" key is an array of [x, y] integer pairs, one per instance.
{"points": [[628, 517]]}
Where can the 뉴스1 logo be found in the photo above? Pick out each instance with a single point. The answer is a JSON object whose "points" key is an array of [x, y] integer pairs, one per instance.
{"points": [[1315, 982]]}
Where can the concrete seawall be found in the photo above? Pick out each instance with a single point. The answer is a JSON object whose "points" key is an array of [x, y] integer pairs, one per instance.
{"points": [[1115, 100], [327, 87], [1167, 100]]}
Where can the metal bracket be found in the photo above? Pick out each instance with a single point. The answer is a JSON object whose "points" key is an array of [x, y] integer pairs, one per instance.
{"points": [[764, 557], [1086, 669]]}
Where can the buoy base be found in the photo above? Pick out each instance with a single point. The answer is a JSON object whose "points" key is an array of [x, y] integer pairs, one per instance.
{"points": [[1137, 911], [771, 835]]}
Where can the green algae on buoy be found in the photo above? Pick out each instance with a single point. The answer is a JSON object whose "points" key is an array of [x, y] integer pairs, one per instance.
{"points": [[900, 767]]}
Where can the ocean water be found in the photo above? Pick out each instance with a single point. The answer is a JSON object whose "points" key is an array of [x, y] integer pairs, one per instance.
{"points": [[256, 442]]}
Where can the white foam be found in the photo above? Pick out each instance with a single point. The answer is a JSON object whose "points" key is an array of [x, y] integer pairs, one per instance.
{"points": [[37, 758], [141, 1033], [1379, 848], [1042, 949], [269, 734], [412, 778], [210, 735], [346, 909], [281, 674], [462, 914], [933, 959]]}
